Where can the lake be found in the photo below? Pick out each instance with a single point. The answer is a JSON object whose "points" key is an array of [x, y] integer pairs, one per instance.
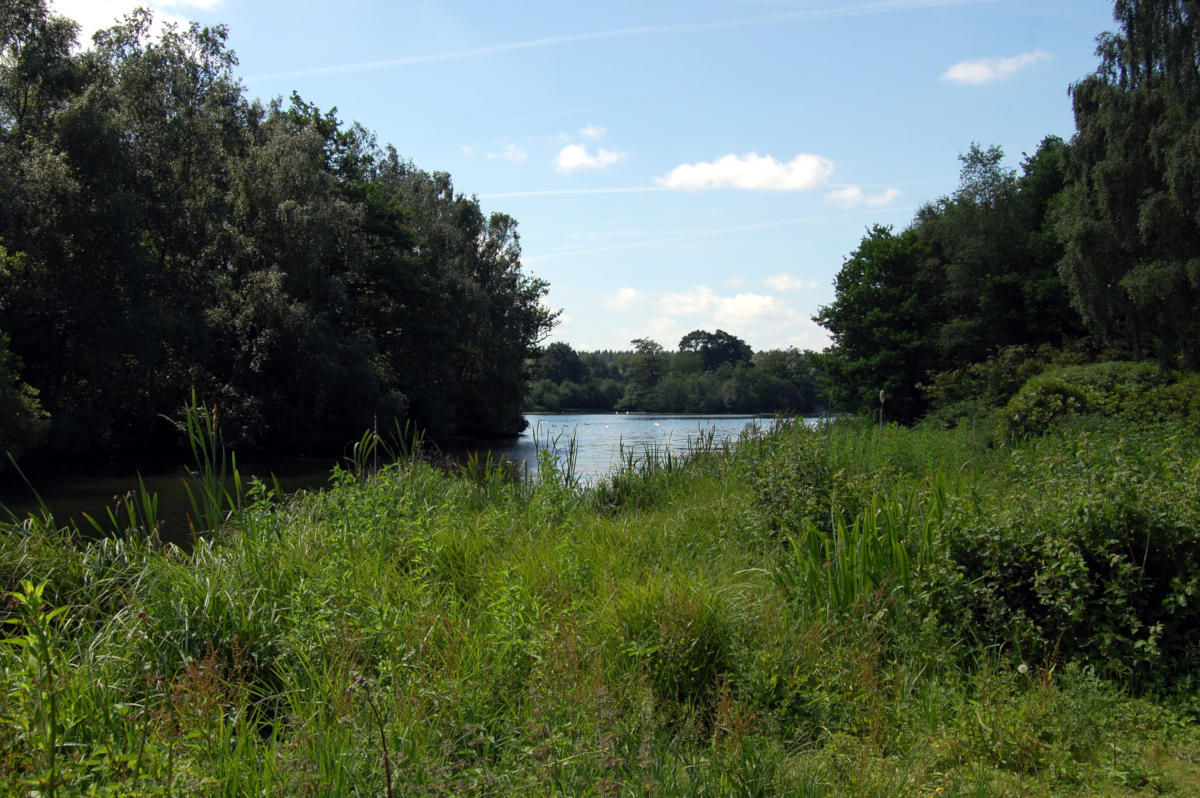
{"points": [[70, 492]]}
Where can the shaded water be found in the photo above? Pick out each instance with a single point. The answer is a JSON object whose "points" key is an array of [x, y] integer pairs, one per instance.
{"points": [[69, 492]]}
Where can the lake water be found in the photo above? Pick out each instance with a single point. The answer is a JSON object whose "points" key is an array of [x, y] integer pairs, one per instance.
{"points": [[70, 492], [600, 437]]}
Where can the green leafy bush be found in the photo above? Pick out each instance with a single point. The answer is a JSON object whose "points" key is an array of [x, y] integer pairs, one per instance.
{"points": [[23, 423], [1137, 391]]}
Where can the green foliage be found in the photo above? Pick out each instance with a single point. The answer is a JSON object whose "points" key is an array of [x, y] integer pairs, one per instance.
{"points": [[175, 235], [973, 275], [977, 390], [877, 326], [653, 634], [23, 423], [1128, 217], [653, 380], [1137, 392], [717, 348], [683, 636]]}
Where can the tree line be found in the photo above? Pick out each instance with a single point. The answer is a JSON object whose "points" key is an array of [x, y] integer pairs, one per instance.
{"points": [[712, 372], [1090, 251], [161, 233]]}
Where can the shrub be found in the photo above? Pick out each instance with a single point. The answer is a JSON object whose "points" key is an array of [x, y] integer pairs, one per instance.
{"points": [[1092, 553], [23, 423], [1138, 391]]}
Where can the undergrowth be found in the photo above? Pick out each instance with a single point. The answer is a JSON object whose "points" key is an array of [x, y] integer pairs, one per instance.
{"points": [[811, 611]]}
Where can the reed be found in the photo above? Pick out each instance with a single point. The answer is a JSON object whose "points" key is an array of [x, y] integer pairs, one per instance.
{"points": [[655, 633]]}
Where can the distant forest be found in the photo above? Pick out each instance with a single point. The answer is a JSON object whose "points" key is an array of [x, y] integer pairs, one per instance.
{"points": [[711, 373], [161, 233]]}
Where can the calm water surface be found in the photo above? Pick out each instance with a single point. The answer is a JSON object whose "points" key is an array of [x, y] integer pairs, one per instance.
{"points": [[600, 437], [71, 492]]}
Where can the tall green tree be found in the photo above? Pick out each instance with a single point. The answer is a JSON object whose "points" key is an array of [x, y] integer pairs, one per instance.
{"points": [[175, 236], [992, 241], [879, 324], [1130, 215], [975, 272], [716, 348]]}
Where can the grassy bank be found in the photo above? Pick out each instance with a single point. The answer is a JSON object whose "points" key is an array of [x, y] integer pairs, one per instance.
{"points": [[839, 611]]}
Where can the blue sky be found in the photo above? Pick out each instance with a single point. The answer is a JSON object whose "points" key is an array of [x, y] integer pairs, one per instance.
{"points": [[676, 165]]}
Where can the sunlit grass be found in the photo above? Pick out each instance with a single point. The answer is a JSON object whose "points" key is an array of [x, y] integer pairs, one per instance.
{"points": [[685, 627]]}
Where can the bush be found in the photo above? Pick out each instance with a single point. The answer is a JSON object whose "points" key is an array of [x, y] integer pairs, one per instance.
{"points": [[1091, 554], [1136, 391], [23, 423]]}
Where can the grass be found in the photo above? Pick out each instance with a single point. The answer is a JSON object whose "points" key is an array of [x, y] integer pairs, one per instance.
{"points": [[823, 612]]}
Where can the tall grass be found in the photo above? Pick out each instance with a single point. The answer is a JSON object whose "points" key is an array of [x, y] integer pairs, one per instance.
{"points": [[883, 550], [418, 630]]}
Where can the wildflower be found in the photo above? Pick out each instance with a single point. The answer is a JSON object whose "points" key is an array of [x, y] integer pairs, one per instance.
{"points": [[1023, 669]]}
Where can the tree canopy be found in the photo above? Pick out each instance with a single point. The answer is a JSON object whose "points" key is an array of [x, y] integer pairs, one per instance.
{"points": [[1091, 251], [1129, 218], [167, 234]]}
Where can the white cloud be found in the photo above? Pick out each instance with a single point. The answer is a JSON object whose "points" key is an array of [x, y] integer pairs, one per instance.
{"points": [[575, 156], [596, 132], [626, 298], [674, 312], [812, 337], [850, 196], [512, 153], [738, 311], [689, 303], [205, 4], [755, 309], [751, 171], [468, 150], [735, 282], [786, 282], [94, 15], [977, 71]]}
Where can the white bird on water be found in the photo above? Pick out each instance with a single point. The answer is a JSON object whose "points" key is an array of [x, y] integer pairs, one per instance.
{"points": [[656, 423]]}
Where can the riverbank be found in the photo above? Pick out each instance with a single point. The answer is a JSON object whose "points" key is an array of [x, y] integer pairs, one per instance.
{"points": [[830, 611]]}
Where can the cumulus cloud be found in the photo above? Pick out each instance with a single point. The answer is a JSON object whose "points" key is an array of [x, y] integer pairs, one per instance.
{"points": [[741, 310], [595, 132], [786, 282], [813, 336], [574, 157], [512, 153], [977, 71], [669, 314], [850, 196], [626, 298], [752, 171], [94, 15]]}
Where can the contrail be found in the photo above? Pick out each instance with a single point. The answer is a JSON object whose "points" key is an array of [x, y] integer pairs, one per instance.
{"points": [[554, 192], [505, 119], [707, 233], [883, 6]]}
